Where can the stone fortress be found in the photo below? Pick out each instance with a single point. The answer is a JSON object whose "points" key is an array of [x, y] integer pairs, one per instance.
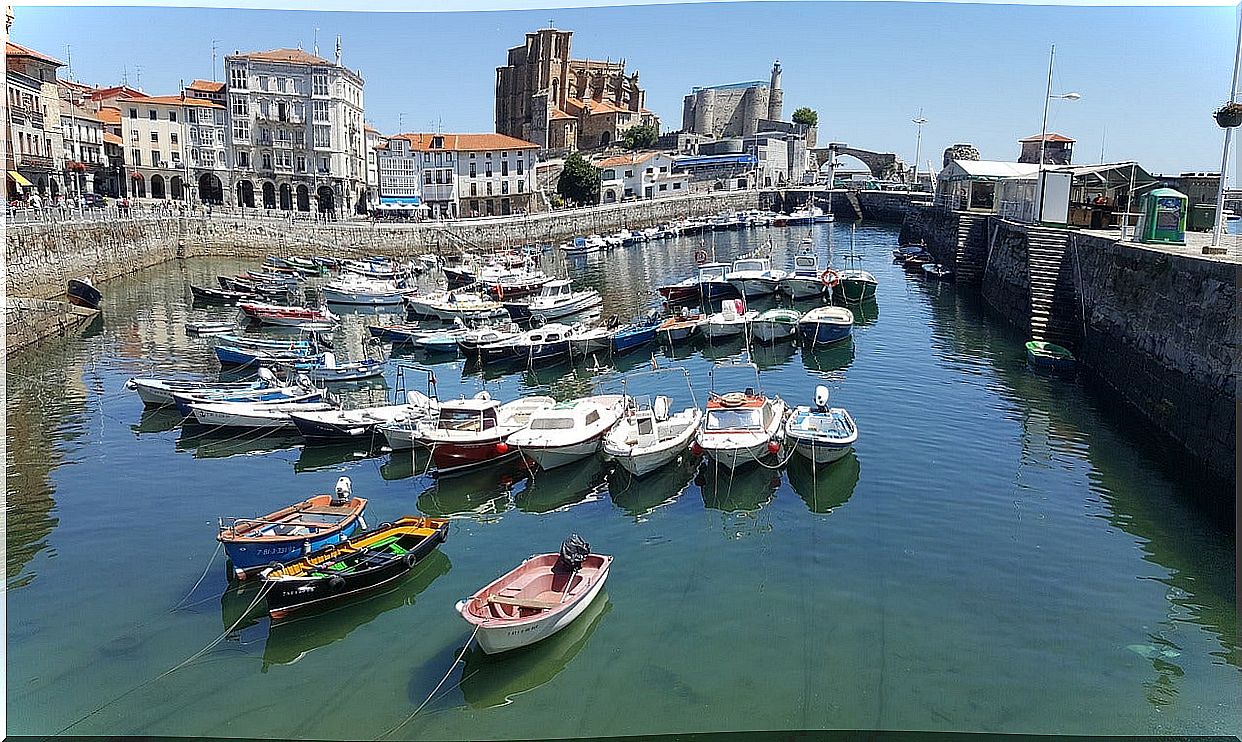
{"points": [[735, 110]]}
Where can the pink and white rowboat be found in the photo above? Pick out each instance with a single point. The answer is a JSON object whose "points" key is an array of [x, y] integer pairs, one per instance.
{"points": [[534, 601]]}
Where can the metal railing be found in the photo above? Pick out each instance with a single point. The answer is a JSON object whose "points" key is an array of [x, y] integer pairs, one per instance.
{"points": [[1018, 211]]}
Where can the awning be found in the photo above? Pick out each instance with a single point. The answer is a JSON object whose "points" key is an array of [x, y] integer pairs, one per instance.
{"points": [[406, 202], [19, 179]]}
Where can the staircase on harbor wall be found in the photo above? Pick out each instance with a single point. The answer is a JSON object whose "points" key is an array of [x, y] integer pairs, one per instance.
{"points": [[971, 229], [1056, 310]]}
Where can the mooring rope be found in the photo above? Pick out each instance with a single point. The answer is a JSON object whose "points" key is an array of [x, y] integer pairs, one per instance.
{"points": [[460, 656], [203, 576]]}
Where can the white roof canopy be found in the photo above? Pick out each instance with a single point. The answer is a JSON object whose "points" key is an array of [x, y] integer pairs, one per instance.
{"points": [[987, 170]]}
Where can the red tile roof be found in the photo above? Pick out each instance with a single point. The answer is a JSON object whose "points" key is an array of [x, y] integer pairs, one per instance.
{"points": [[206, 86], [116, 91], [465, 142], [632, 158], [295, 56], [1050, 137], [559, 114], [174, 100], [17, 50], [110, 138], [594, 107]]}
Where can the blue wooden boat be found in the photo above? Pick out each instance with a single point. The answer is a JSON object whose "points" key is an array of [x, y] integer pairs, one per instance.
{"points": [[278, 395], [826, 325], [636, 334], [712, 283], [275, 539], [230, 355]]}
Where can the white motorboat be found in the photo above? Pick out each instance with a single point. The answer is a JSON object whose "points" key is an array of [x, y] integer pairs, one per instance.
{"points": [[363, 422], [805, 281], [730, 321], [586, 339], [740, 428], [820, 433], [159, 392], [557, 299], [471, 340], [754, 277], [826, 325], [775, 325], [451, 305], [351, 288], [252, 414], [332, 370], [569, 431], [648, 437]]}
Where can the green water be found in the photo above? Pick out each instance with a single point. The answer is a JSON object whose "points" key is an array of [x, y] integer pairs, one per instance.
{"points": [[1003, 552]]}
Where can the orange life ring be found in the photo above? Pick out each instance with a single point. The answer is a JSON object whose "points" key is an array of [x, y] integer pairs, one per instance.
{"points": [[830, 278], [700, 256]]}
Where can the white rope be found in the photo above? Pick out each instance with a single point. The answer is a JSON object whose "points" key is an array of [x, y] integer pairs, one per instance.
{"points": [[219, 545], [461, 655]]}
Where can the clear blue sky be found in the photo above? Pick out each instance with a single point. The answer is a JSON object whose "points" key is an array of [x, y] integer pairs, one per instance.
{"points": [[1149, 77]]}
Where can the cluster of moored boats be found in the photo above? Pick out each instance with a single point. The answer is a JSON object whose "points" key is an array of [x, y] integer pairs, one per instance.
{"points": [[726, 220]]}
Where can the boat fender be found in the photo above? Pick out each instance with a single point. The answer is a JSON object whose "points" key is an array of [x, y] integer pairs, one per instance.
{"points": [[336, 583], [821, 398], [344, 491], [660, 408], [384, 526], [829, 277], [329, 359], [410, 560], [131, 384], [773, 447]]}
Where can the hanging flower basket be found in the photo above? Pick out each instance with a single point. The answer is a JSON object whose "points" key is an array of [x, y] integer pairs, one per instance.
{"points": [[1229, 115], [77, 167], [135, 175]]}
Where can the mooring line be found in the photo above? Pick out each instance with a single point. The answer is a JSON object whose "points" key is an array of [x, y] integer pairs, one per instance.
{"points": [[219, 545], [461, 655]]}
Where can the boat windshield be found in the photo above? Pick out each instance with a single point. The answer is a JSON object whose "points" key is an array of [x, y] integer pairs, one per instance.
{"points": [[749, 265], [735, 419], [558, 422], [469, 420]]}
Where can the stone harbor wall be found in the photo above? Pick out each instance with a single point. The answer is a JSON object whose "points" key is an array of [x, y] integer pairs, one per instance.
{"points": [[1006, 275], [31, 321]]}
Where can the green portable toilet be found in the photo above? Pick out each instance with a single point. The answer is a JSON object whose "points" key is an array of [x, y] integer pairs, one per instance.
{"points": [[1164, 217]]}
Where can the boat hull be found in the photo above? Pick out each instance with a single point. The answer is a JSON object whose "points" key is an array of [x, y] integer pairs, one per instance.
{"points": [[455, 457], [249, 556], [855, 291], [623, 342], [339, 296], [711, 290], [551, 457], [715, 330], [752, 287], [736, 456], [82, 294], [505, 638], [824, 333], [772, 332], [819, 452], [803, 287]]}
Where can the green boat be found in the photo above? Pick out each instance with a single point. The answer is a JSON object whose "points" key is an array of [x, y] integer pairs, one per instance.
{"points": [[1050, 356], [856, 286]]}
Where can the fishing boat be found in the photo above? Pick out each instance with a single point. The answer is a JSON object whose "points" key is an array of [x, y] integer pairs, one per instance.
{"points": [[826, 325], [754, 276], [806, 280], [937, 271], [855, 286], [443, 341], [451, 305], [541, 346], [636, 334], [1050, 356], [820, 433], [203, 329], [743, 427], [915, 260], [509, 284], [300, 391], [366, 562], [538, 598], [353, 289], [208, 295], [265, 414], [159, 392], [470, 432], [730, 321], [775, 325], [378, 268], [292, 532], [472, 339], [568, 431], [682, 292], [82, 293], [272, 314], [328, 369], [647, 437], [399, 333], [363, 422], [232, 356], [557, 299], [712, 283], [681, 326]]}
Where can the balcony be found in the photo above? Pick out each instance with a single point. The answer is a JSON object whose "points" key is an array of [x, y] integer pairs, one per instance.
{"points": [[38, 162]]}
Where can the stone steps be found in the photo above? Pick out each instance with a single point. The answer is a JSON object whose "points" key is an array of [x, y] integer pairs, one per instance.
{"points": [[1054, 310]]}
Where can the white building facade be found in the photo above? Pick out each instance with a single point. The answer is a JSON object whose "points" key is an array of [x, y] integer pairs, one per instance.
{"points": [[640, 176], [460, 175], [296, 130]]}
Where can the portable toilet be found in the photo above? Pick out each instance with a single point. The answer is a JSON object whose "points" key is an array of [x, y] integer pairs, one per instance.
{"points": [[1164, 217]]}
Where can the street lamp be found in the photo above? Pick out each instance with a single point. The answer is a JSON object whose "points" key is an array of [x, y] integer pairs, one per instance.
{"points": [[1048, 96], [1219, 226], [918, 144]]}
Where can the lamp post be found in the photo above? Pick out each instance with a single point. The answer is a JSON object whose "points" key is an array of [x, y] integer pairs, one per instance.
{"points": [[1048, 96], [1224, 158], [918, 144]]}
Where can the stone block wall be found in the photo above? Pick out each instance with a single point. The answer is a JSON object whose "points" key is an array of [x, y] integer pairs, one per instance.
{"points": [[1006, 278]]}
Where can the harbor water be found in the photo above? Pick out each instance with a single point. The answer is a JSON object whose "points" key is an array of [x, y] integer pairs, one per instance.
{"points": [[1003, 551]]}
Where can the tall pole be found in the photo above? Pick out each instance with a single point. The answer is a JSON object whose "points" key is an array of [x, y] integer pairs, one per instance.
{"points": [[1043, 129], [1224, 157], [918, 145]]}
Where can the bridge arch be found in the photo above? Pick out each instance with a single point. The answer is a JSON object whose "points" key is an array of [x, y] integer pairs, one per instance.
{"points": [[883, 165]]}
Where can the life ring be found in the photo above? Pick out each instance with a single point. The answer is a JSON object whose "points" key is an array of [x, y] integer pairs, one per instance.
{"points": [[830, 278], [700, 256], [733, 399]]}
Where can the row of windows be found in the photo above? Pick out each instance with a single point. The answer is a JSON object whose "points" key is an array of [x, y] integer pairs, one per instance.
{"points": [[33, 145], [152, 114], [504, 188], [155, 136], [135, 158]]}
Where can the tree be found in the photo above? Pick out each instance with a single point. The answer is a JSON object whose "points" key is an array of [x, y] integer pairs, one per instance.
{"points": [[640, 136], [805, 116], [579, 181]]}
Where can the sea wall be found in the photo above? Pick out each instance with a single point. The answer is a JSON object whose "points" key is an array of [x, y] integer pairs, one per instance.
{"points": [[1006, 274], [936, 228], [31, 321]]}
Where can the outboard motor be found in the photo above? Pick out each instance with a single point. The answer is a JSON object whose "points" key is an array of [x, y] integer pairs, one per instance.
{"points": [[344, 491], [304, 381], [574, 552], [267, 377], [483, 395], [821, 398], [329, 359]]}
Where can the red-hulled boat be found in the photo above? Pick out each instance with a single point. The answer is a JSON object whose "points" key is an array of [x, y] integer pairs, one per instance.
{"points": [[683, 292], [276, 314], [473, 432]]}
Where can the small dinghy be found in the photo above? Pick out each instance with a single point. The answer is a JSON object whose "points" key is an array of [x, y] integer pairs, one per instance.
{"points": [[208, 328], [292, 532], [82, 293], [368, 561], [234, 356], [775, 325], [568, 431], [681, 327], [937, 272], [855, 286], [207, 295], [730, 321], [820, 433], [826, 325], [252, 415], [1050, 357], [648, 437], [329, 370], [299, 391], [159, 392], [543, 595]]}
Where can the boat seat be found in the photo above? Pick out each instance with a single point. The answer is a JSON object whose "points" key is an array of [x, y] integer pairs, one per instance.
{"points": [[541, 605]]}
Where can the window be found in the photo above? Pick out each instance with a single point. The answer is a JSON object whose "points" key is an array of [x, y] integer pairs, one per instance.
{"points": [[133, 113], [172, 137], [664, 186], [629, 173], [241, 106], [472, 172], [519, 165], [323, 136], [301, 164], [241, 129], [237, 78], [521, 186], [267, 160], [151, 114], [474, 189], [155, 158], [172, 115], [504, 187], [677, 186], [263, 79], [155, 137], [321, 111], [504, 168], [136, 156], [133, 135], [243, 159], [488, 173], [323, 164], [427, 177], [176, 156], [319, 84], [489, 188]]}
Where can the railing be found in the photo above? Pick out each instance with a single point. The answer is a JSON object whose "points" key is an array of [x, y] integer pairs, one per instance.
{"points": [[950, 200], [1018, 211]]}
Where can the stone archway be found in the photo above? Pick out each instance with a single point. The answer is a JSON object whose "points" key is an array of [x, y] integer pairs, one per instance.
{"points": [[157, 186], [286, 197], [140, 186], [245, 194], [610, 196], [176, 190], [327, 200], [210, 189], [269, 195], [883, 165], [605, 139], [303, 194]]}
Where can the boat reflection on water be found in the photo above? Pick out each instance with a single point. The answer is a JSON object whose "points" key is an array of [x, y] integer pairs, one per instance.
{"points": [[158, 420], [834, 357], [560, 488], [720, 349], [768, 357], [485, 492], [290, 640], [494, 680], [639, 497], [405, 464], [219, 443], [745, 489], [824, 488], [865, 314], [333, 455]]}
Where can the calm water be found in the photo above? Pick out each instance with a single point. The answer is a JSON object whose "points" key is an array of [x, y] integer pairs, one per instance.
{"points": [[1003, 552]]}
